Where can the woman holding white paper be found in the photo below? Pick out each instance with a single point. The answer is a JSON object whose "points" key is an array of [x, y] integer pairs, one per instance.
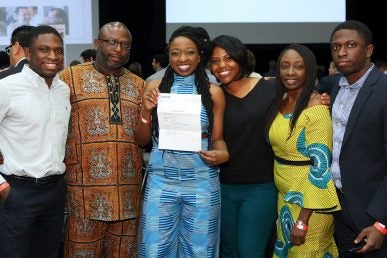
{"points": [[181, 209]]}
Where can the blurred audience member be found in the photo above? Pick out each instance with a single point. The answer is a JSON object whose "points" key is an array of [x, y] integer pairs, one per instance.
{"points": [[332, 70], [272, 70], [74, 62], [16, 50], [320, 72], [382, 66], [252, 62], [136, 68], [88, 55], [159, 63]]}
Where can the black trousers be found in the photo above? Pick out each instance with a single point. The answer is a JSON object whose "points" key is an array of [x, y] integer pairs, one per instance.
{"points": [[31, 220], [346, 232]]}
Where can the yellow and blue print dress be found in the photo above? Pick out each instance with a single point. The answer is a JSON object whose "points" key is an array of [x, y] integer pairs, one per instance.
{"points": [[308, 186]]}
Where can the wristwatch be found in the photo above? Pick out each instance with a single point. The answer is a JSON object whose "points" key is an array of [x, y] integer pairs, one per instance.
{"points": [[301, 225]]}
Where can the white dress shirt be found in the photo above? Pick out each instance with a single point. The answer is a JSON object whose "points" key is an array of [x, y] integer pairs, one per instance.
{"points": [[33, 124]]}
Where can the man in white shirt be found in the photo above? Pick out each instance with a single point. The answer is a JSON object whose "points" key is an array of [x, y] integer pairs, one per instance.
{"points": [[34, 115]]}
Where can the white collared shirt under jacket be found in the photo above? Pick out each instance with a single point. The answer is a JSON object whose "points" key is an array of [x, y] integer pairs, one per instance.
{"points": [[33, 124]]}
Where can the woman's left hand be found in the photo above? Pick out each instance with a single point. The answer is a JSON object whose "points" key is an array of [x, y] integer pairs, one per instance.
{"points": [[214, 157], [297, 236]]}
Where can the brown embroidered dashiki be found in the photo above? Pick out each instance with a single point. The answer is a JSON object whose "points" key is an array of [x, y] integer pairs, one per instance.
{"points": [[102, 157]]}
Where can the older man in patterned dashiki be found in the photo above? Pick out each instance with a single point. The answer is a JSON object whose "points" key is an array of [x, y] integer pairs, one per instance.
{"points": [[103, 159]]}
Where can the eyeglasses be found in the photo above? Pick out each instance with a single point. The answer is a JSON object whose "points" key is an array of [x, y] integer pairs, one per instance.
{"points": [[114, 44], [8, 49]]}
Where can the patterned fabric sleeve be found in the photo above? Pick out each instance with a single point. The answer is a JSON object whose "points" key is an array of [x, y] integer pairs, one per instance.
{"points": [[315, 142]]}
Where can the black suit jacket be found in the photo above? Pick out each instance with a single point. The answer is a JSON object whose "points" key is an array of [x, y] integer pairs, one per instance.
{"points": [[363, 156], [13, 69]]}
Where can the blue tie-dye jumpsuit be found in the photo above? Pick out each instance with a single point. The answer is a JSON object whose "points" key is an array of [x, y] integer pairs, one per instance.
{"points": [[181, 208]]}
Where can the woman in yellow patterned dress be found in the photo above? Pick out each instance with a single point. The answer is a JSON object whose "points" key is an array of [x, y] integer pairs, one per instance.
{"points": [[300, 132]]}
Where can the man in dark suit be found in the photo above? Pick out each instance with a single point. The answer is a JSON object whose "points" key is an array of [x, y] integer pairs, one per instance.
{"points": [[16, 50], [359, 156]]}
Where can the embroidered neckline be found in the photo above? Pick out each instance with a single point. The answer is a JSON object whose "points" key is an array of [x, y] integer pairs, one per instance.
{"points": [[113, 84], [120, 73]]}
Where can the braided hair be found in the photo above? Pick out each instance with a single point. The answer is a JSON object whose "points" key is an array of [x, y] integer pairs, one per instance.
{"points": [[303, 100], [203, 43]]}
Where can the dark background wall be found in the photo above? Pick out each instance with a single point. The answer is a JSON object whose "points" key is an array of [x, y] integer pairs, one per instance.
{"points": [[149, 30]]}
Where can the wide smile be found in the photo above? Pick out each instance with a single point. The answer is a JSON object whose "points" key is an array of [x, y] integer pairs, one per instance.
{"points": [[184, 68], [51, 66], [224, 73]]}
